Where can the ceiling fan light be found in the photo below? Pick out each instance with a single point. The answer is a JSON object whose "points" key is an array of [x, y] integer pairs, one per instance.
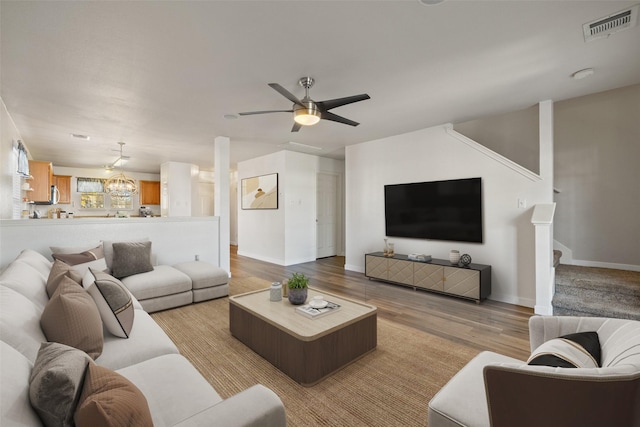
{"points": [[307, 116]]}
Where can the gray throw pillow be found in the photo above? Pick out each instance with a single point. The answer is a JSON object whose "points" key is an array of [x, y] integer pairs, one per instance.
{"points": [[131, 258], [56, 383]]}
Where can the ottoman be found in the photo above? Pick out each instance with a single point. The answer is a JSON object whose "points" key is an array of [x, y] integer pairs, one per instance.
{"points": [[160, 289], [207, 280]]}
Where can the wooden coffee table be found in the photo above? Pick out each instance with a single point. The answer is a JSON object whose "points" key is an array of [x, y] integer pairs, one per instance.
{"points": [[307, 350]]}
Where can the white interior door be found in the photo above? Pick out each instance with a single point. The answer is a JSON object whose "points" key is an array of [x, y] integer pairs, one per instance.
{"points": [[327, 215]]}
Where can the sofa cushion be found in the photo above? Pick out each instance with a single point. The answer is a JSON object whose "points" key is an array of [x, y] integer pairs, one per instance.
{"points": [[56, 382], [579, 350], [26, 280], [35, 260], [131, 258], [461, 402], [109, 399], [71, 317], [203, 274], [15, 369], [20, 323], [59, 271], [162, 280], [189, 393], [113, 300], [146, 341]]}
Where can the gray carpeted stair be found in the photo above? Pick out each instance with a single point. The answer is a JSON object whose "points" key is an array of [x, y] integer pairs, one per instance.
{"points": [[596, 292]]}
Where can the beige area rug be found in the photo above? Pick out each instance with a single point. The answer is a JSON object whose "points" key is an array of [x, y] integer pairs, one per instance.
{"points": [[389, 387]]}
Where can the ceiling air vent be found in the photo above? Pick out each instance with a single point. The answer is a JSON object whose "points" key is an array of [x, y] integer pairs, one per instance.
{"points": [[608, 25]]}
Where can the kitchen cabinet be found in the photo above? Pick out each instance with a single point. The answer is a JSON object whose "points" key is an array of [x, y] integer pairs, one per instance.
{"points": [[42, 173], [63, 182], [471, 282], [149, 193]]}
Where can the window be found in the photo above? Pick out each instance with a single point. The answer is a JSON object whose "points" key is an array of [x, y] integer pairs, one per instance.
{"points": [[91, 185]]}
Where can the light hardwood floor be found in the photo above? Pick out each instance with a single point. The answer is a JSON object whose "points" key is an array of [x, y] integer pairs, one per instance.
{"points": [[490, 325]]}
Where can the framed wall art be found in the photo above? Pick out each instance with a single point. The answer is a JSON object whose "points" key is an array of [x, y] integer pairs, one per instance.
{"points": [[260, 192]]}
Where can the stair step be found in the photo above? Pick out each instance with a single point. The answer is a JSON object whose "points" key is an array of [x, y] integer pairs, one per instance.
{"points": [[595, 278], [571, 305]]}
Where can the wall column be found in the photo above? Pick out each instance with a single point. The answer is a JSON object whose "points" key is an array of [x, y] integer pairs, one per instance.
{"points": [[222, 208]]}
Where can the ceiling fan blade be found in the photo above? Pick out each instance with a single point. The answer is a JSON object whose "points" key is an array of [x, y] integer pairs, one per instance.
{"points": [[338, 102], [249, 113], [282, 91], [296, 127], [336, 118]]}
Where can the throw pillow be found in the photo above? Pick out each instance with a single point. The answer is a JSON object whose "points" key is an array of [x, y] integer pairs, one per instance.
{"points": [[59, 271], [73, 249], [131, 258], [82, 257], [580, 350], [113, 300], [93, 257], [108, 399], [56, 383], [72, 318]]}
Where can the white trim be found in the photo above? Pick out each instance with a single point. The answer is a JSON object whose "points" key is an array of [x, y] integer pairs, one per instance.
{"points": [[356, 268], [492, 154]]}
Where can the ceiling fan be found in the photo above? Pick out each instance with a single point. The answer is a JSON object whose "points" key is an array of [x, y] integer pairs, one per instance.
{"points": [[306, 111]]}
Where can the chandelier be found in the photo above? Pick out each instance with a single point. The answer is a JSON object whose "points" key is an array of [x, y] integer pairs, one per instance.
{"points": [[121, 185]]}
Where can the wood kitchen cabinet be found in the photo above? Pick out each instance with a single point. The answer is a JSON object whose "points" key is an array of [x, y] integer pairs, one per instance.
{"points": [[42, 173], [149, 193], [63, 182]]}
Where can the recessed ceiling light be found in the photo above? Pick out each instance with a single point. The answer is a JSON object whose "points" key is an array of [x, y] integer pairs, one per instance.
{"points": [[582, 73], [80, 136], [230, 116]]}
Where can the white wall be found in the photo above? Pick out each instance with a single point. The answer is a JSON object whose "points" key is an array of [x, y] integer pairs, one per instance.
{"points": [[261, 233], [597, 158], [179, 189], [286, 235], [300, 207], [9, 136], [514, 135], [438, 153], [173, 240]]}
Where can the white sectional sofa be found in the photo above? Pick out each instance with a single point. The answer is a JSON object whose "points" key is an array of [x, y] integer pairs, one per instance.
{"points": [[175, 391], [160, 287]]}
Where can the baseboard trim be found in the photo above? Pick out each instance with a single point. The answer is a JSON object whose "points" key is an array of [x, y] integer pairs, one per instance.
{"points": [[356, 268]]}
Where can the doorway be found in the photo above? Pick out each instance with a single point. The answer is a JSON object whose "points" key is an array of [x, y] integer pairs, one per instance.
{"points": [[327, 216]]}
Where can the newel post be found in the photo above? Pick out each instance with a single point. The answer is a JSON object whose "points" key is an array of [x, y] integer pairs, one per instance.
{"points": [[542, 220]]}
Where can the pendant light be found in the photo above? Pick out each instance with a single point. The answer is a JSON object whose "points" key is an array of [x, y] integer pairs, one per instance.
{"points": [[121, 185]]}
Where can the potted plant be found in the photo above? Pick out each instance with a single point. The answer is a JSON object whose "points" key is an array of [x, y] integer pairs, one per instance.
{"points": [[298, 285]]}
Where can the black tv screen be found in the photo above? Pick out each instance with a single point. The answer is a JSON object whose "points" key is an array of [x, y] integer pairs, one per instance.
{"points": [[437, 210]]}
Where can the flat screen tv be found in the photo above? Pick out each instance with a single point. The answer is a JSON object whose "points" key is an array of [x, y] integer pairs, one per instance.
{"points": [[438, 210]]}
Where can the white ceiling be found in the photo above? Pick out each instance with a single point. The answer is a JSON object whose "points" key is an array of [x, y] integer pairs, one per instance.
{"points": [[161, 76]]}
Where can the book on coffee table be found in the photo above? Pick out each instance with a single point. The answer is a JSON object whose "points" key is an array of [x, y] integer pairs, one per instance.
{"points": [[309, 311]]}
